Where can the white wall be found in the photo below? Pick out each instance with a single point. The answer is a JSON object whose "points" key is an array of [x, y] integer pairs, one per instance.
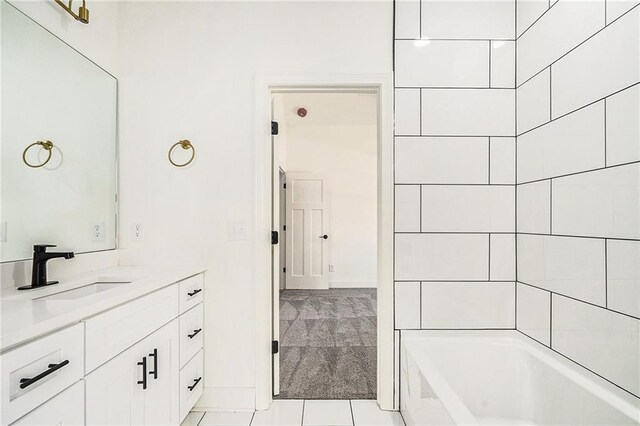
{"points": [[579, 183], [188, 70], [338, 141]]}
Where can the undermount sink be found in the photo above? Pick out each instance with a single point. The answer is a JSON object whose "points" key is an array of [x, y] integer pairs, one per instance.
{"points": [[84, 291]]}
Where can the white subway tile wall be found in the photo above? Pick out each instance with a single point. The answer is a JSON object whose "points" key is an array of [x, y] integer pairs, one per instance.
{"points": [[455, 165], [563, 78], [578, 174]]}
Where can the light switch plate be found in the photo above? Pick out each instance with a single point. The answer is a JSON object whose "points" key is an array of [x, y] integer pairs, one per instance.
{"points": [[237, 231]]}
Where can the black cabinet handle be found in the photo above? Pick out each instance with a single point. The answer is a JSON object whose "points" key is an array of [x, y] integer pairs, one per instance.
{"points": [[324, 237], [195, 333], [154, 373], [51, 368], [194, 292], [195, 383], [143, 363]]}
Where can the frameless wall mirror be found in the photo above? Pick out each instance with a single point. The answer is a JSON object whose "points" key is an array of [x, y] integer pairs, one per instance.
{"points": [[62, 107]]}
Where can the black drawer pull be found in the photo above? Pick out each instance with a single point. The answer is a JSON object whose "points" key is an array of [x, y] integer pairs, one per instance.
{"points": [[195, 383], [195, 333], [143, 363], [194, 292], [154, 373], [52, 368]]}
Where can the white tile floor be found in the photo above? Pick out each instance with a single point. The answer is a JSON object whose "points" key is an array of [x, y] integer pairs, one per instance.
{"points": [[297, 412]]}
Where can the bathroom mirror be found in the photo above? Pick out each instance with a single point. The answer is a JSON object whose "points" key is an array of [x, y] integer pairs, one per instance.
{"points": [[51, 92]]}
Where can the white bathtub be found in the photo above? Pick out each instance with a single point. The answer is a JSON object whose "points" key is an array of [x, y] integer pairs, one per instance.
{"points": [[502, 378]]}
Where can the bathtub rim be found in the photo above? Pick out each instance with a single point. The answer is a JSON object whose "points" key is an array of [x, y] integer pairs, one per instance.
{"points": [[601, 388]]}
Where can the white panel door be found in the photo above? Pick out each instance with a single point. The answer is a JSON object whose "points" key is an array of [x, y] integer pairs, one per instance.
{"points": [[307, 232]]}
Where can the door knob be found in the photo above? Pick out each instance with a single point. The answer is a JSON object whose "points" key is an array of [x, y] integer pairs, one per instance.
{"points": [[324, 237]]}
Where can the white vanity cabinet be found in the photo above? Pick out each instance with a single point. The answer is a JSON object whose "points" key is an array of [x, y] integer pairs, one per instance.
{"points": [[140, 385], [138, 363]]}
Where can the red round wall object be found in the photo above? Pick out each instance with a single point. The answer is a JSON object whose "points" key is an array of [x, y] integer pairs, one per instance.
{"points": [[302, 112]]}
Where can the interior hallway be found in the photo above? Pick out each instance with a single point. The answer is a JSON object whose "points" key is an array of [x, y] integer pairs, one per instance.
{"points": [[328, 344]]}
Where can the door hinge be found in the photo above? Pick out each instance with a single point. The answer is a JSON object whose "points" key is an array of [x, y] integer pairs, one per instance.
{"points": [[275, 347], [284, 269], [274, 128], [274, 237], [285, 186], [284, 227]]}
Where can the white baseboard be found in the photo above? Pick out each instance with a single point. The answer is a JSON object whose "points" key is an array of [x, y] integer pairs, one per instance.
{"points": [[227, 399], [352, 284]]}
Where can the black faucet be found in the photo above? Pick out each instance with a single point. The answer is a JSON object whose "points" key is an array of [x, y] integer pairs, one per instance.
{"points": [[39, 270]]}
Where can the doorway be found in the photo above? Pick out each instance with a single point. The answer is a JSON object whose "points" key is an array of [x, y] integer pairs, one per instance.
{"points": [[326, 143], [267, 306]]}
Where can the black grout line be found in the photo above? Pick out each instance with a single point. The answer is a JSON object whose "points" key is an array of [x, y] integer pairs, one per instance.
{"points": [[454, 87], [452, 184], [397, 136], [489, 259], [585, 40], [605, 132], [454, 232], [420, 121], [489, 162], [451, 281], [606, 274], [578, 109], [490, 63], [550, 318], [455, 39], [534, 22], [550, 206], [550, 94], [579, 173], [579, 300], [578, 236], [420, 207], [304, 402], [252, 416]]}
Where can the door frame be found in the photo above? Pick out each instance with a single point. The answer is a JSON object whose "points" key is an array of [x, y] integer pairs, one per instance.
{"points": [[382, 84]]}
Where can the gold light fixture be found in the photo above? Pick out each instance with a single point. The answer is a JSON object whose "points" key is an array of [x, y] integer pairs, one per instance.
{"points": [[83, 12]]}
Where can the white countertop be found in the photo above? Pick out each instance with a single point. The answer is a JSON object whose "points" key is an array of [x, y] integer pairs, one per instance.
{"points": [[22, 318]]}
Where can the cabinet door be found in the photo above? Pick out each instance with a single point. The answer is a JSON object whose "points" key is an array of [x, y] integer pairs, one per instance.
{"points": [[115, 392], [64, 409], [162, 397]]}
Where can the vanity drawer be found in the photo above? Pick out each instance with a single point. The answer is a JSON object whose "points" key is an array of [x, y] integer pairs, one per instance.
{"points": [[52, 363], [66, 408], [191, 384], [191, 291], [112, 332], [191, 333]]}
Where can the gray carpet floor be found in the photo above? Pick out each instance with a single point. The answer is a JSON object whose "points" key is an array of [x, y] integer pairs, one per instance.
{"points": [[328, 344]]}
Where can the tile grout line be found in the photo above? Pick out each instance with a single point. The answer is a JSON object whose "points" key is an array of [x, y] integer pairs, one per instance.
{"points": [[353, 421], [579, 300]]}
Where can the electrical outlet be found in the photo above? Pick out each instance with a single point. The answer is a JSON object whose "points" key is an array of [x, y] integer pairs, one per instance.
{"points": [[3, 232], [97, 232], [331, 268], [138, 232]]}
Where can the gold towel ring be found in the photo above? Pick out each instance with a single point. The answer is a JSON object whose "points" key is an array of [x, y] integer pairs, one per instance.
{"points": [[48, 145], [185, 144]]}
